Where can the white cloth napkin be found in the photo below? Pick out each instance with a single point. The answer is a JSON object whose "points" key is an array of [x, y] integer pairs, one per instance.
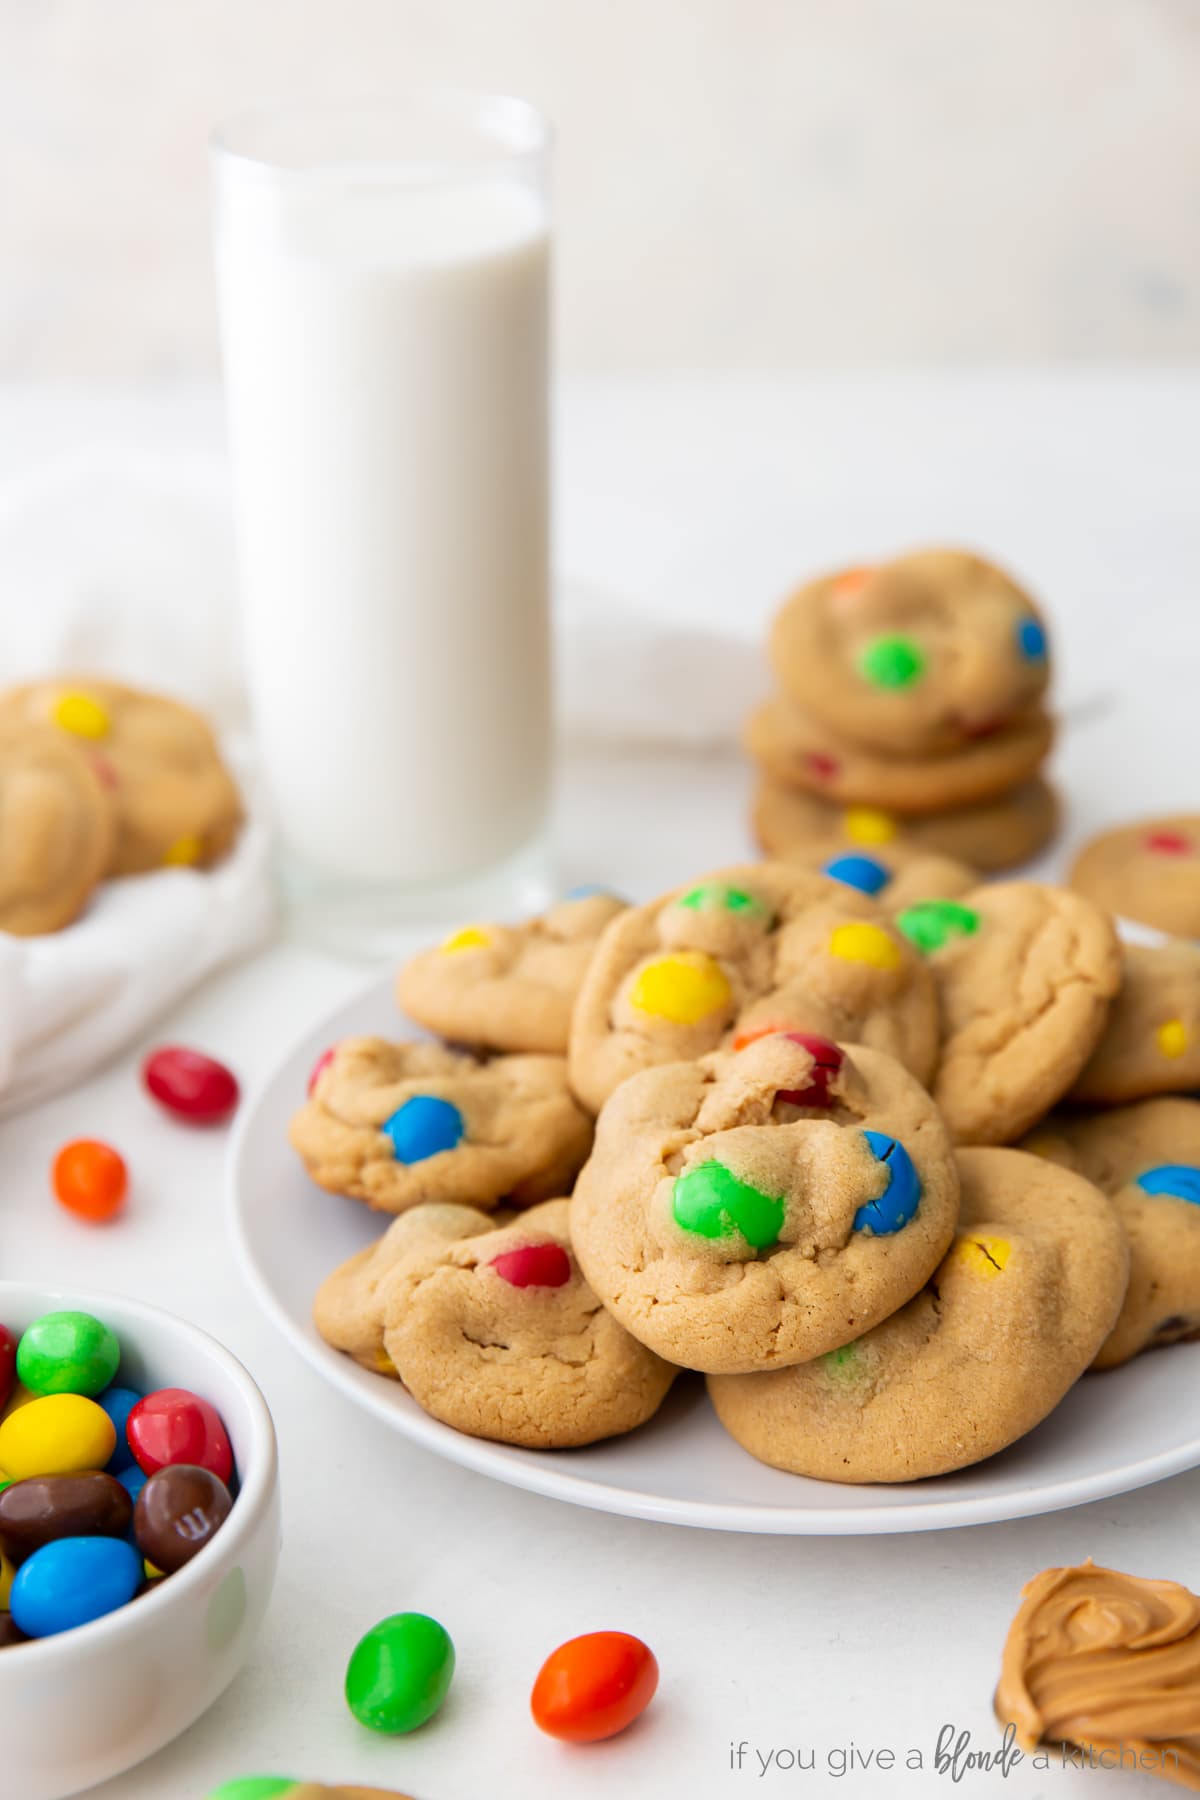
{"points": [[114, 565]]}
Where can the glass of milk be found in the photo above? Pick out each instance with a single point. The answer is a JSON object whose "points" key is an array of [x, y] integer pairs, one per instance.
{"points": [[382, 274]]}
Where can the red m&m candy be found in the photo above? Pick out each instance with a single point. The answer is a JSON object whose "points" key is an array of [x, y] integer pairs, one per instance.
{"points": [[533, 1265], [827, 1060], [173, 1425], [8, 1363], [190, 1085], [1168, 843], [319, 1067]]}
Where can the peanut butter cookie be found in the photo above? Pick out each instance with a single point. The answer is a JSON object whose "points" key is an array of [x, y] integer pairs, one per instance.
{"points": [[175, 801], [918, 655], [56, 832], [759, 1208], [1147, 1159], [508, 987], [1151, 1043], [994, 836], [756, 947], [795, 750], [1149, 871], [1012, 1317], [399, 1124], [1025, 974]]}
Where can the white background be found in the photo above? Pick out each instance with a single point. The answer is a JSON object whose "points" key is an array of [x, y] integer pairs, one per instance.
{"points": [[701, 498], [767, 183]]}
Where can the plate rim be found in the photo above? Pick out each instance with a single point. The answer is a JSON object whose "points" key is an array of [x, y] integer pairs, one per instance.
{"points": [[533, 1471]]}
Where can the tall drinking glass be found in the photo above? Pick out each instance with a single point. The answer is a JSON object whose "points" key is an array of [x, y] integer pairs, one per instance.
{"points": [[382, 274]]}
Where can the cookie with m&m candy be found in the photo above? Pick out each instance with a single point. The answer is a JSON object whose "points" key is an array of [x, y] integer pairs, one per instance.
{"points": [[758, 944], [1025, 975], [492, 1328], [793, 748], [922, 655], [753, 1209], [1146, 1158], [1151, 1041], [990, 837], [399, 1124], [1148, 871], [1011, 1317], [509, 987], [58, 832], [175, 803]]}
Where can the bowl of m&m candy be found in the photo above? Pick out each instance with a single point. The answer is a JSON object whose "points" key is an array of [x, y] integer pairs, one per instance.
{"points": [[139, 1532]]}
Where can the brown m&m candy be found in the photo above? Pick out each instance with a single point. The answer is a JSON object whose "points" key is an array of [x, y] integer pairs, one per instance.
{"points": [[180, 1508], [41, 1508]]}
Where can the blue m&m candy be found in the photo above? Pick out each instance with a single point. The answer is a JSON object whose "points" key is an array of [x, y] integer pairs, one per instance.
{"points": [[72, 1581], [902, 1195], [861, 872], [118, 1403], [133, 1480], [1179, 1181], [1031, 639], [424, 1126]]}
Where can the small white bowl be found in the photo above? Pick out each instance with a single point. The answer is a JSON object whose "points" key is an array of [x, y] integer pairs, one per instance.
{"points": [[80, 1707]]}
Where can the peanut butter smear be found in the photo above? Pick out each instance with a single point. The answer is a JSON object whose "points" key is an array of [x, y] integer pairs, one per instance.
{"points": [[1106, 1661]]}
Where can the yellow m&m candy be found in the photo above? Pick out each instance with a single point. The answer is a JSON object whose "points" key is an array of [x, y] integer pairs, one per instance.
{"points": [[80, 715], [1172, 1038], [983, 1256], [58, 1435], [865, 944], [471, 937], [867, 825], [682, 989], [184, 852]]}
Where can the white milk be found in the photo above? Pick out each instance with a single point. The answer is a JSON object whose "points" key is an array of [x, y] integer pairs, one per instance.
{"points": [[385, 355]]}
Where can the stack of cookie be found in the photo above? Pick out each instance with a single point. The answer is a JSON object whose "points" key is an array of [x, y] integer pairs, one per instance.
{"points": [[100, 780], [910, 712], [768, 1128]]}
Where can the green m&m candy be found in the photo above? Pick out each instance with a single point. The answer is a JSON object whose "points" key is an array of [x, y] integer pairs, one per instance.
{"points": [[67, 1353], [400, 1673], [713, 1202], [931, 923], [716, 897], [255, 1787], [892, 662]]}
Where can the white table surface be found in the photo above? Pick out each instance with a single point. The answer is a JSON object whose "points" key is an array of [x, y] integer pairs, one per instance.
{"points": [[719, 492]]}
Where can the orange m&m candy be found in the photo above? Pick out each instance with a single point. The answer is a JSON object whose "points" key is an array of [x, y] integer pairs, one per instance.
{"points": [[90, 1179], [594, 1686]]}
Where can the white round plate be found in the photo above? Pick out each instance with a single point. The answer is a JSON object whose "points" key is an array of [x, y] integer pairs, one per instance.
{"points": [[1113, 1432]]}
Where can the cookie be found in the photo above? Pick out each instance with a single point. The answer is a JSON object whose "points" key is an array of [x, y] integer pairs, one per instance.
{"points": [[1151, 1043], [1011, 1318], [399, 1124], [493, 1330], [1110, 1662], [175, 801], [1147, 1159], [795, 750], [508, 987], [761, 1207], [998, 835], [1025, 974], [349, 1307], [920, 655], [756, 947], [895, 874], [56, 832], [1149, 871]]}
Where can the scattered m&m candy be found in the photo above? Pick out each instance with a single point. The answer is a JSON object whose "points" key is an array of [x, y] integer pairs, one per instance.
{"points": [[190, 1085], [400, 1673], [90, 1179], [594, 1686]]}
